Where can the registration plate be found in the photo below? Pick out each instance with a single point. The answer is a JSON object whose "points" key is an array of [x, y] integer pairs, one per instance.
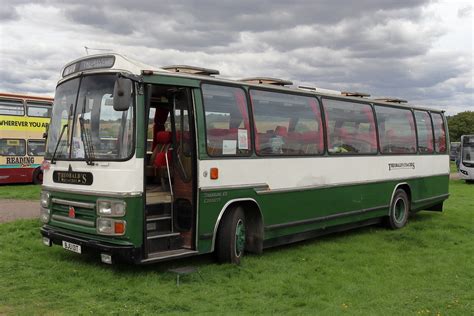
{"points": [[71, 247]]}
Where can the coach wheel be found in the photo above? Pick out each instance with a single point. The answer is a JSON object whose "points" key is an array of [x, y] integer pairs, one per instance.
{"points": [[231, 237], [38, 176], [399, 210]]}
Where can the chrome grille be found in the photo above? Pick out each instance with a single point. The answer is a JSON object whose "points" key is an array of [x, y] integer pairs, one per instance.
{"points": [[84, 212]]}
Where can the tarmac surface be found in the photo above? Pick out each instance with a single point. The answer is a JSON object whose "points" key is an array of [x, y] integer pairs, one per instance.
{"points": [[11, 210]]}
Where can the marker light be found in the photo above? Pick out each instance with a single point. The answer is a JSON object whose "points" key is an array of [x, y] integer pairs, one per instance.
{"points": [[214, 173], [119, 227], [106, 258], [47, 241]]}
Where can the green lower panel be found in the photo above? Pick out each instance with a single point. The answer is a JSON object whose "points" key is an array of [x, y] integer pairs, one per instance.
{"points": [[133, 217], [286, 213]]}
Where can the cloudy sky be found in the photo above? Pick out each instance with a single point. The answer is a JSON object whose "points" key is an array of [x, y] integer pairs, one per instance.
{"points": [[412, 49]]}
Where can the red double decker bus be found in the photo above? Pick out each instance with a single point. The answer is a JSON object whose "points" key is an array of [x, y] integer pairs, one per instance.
{"points": [[23, 121]]}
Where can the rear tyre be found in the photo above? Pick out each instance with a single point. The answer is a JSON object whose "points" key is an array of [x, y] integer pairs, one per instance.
{"points": [[399, 210], [231, 237], [38, 176]]}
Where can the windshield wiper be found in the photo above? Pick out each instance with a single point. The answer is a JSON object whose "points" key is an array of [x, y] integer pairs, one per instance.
{"points": [[86, 140], [59, 141], [85, 136]]}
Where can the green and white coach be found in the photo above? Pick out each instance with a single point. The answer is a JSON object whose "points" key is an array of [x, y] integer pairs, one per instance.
{"points": [[146, 164]]}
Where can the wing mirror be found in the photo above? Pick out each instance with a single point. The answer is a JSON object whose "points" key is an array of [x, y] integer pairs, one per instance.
{"points": [[122, 93]]}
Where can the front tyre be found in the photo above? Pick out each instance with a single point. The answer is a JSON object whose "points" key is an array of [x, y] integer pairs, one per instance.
{"points": [[399, 210], [231, 237]]}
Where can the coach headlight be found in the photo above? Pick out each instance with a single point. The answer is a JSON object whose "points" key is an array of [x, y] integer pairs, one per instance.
{"points": [[45, 214], [44, 199], [110, 226], [112, 208]]}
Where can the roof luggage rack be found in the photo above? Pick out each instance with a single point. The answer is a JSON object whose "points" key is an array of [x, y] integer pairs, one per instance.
{"points": [[319, 90], [355, 94], [307, 88], [268, 80], [391, 100], [192, 70]]}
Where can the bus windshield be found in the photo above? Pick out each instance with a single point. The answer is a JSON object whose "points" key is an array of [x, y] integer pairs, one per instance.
{"points": [[468, 149], [84, 124]]}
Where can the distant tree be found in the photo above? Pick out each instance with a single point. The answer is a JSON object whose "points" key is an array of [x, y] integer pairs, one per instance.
{"points": [[460, 124]]}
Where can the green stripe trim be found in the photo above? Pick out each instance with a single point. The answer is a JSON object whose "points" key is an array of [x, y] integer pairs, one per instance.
{"points": [[326, 218]]}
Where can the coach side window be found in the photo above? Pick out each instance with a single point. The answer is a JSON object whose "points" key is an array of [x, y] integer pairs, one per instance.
{"points": [[439, 133], [227, 121], [425, 132], [396, 130], [350, 127], [286, 124], [10, 107]]}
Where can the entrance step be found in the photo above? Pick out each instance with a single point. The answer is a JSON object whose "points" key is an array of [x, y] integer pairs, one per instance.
{"points": [[157, 235], [158, 218], [158, 197], [167, 255]]}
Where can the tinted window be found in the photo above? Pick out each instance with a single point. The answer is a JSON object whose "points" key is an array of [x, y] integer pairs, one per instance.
{"points": [[439, 133], [12, 147], [286, 124], [350, 127], [396, 130], [10, 107], [425, 132], [227, 120], [36, 147], [38, 110]]}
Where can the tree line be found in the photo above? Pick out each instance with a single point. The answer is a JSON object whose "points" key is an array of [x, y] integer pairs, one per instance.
{"points": [[460, 124]]}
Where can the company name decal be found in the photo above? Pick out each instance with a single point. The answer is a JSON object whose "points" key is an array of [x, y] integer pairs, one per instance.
{"points": [[401, 165], [23, 161], [72, 177]]}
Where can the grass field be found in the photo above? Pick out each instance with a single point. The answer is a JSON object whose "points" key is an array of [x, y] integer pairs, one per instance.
{"points": [[452, 167], [20, 191], [427, 268]]}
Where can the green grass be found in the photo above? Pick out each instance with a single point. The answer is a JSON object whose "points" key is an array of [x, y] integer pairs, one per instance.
{"points": [[425, 268], [20, 191], [452, 167]]}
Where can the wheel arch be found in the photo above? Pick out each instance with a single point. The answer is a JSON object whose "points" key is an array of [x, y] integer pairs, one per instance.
{"points": [[404, 186], [254, 223]]}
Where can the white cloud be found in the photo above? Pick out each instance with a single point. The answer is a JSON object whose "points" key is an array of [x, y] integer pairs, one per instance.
{"points": [[417, 50]]}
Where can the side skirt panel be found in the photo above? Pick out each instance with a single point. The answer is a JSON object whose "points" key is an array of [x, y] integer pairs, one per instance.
{"points": [[288, 239]]}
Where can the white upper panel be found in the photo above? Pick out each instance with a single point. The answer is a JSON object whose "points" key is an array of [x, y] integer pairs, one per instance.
{"points": [[121, 63]]}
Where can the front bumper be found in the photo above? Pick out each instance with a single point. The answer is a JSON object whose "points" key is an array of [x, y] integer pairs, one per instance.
{"points": [[120, 253]]}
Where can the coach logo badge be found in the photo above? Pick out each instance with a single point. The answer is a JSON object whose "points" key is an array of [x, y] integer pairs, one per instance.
{"points": [[401, 165], [72, 212]]}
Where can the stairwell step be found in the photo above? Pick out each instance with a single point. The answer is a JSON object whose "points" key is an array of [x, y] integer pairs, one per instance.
{"points": [[161, 235], [157, 218]]}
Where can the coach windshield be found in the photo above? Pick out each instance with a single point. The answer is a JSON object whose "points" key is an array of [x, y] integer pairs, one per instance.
{"points": [[84, 124]]}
